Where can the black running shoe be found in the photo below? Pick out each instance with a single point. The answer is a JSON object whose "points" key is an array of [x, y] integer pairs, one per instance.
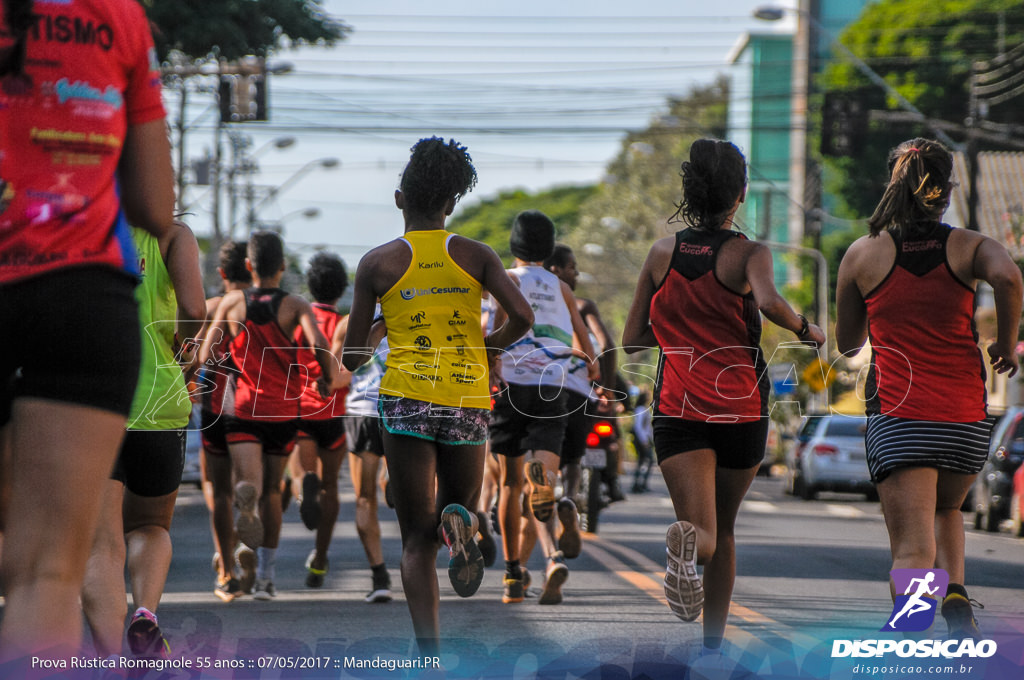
{"points": [[381, 589], [486, 543], [309, 508]]}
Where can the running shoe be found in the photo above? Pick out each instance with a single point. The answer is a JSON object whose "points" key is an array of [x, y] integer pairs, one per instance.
{"points": [[555, 576], [248, 526], [570, 542], [309, 508], [959, 614], [495, 524], [246, 559], [145, 639], [488, 546], [381, 589], [315, 577], [228, 589], [527, 593], [514, 588], [542, 496], [683, 587], [264, 590], [466, 564]]}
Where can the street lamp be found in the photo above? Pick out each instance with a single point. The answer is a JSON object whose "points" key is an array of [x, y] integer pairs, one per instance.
{"points": [[325, 163], [277, 225]]}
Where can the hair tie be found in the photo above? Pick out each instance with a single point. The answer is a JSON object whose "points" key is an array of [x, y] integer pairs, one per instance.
{"points": [[914, 148]]}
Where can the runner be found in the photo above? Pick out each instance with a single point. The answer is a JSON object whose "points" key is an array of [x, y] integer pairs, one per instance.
{"points": [[698, 296], [928, 433], [261, 412], [530, 414], [236, 574], [322, 423], [365, 454], [434, 396], [65, 203], [138, 499]]}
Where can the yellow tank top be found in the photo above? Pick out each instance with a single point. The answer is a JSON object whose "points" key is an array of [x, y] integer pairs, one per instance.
{"points": [[433, 319]]}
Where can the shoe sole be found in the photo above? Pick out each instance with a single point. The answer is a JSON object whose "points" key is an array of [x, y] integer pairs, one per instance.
{"points": [[511, 599], [315, 577], [246, 559], [309, 508], [379, 596], [145, 640], [571, 541], [248, 527], [959, 616], [552, 593], [683, 587], [542, 497], [466, 566], [262, 596]]}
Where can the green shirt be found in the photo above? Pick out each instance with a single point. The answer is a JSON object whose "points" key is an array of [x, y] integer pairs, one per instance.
{"points": [[161, 399]]}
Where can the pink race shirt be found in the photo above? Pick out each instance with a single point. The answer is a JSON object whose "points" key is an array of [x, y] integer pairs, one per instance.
{"points": [[92, 72]]}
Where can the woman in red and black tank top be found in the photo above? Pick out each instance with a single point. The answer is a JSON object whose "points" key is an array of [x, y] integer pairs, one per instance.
{"points": [[910, 286], [698, 299]]}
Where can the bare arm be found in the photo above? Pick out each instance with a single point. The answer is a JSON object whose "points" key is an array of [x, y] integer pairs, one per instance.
{"points": [[218, 327], [356, 350], [181, 257], [316, 340], [993, 265], [147, 178], [580, 330], [514, 313], [637, 333], [760, 274], [337, 344], [851, 312], [608, 359]]}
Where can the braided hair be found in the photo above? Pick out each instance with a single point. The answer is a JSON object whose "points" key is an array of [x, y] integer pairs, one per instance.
{"points": [[18, 20], [713, 178], [437, 172], [919, 186]]}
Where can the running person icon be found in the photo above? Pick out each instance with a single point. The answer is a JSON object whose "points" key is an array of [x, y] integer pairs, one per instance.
{"points": [[916, 602]]}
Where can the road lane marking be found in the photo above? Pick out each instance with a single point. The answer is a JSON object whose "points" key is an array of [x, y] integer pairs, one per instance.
{"points": [[847, 511]]}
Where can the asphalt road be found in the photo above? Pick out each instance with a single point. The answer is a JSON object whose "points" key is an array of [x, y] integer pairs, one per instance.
{"points": [[808, 572]]}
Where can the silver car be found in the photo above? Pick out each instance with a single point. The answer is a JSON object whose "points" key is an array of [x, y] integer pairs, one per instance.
{"points": [[828, 455]]}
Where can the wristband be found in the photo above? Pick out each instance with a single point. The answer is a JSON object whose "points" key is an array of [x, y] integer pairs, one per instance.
{"points": [[805, 327]]}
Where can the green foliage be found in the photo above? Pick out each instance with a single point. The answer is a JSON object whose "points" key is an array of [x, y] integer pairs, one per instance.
{"points": [[490, 219], [237, 28], [924, 49]]}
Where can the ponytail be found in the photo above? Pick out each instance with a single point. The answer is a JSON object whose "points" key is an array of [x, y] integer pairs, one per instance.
{"points": [[918, 189]]}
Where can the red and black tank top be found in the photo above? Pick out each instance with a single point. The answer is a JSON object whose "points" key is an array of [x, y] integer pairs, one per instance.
{"points": [[926, 363], [312, 406], [265, 356], [711, 367]]}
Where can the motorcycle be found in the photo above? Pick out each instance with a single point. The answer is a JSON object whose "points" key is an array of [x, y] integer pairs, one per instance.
{"points": [[602, 451]]}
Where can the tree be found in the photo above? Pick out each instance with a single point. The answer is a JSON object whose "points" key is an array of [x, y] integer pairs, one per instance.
{"points": [[238, 28], [924, 49]]}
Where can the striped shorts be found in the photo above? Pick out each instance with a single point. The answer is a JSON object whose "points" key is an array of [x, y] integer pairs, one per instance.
{"points": [[896, 442]]}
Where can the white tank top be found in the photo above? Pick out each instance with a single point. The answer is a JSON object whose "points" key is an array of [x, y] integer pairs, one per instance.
{"points": [[541, 357]]}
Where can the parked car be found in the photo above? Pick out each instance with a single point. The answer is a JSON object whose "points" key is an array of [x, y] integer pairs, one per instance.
{"points": [[828, 455], [993, 488], [1017, 503]]}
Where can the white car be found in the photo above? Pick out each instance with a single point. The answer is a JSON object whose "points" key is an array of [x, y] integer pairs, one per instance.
{"points": [[828, 455]]}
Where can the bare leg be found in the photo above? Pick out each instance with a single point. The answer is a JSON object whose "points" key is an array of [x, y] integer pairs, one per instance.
{"points": [[412, 465], [62, 453], [908, 498], [510, 504], [147, 524], [546, 530], [103, 596], [221, 519], [690, 477], [270, 501], [329, 503], [949, 523], [364, 470], [489, 488], [720, 571]]}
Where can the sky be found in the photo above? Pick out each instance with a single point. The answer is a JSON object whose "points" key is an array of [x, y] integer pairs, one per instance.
{"points": [[540, 92]]}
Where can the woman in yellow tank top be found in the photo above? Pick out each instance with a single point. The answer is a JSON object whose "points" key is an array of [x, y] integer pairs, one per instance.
{"points": [[435, 397]]}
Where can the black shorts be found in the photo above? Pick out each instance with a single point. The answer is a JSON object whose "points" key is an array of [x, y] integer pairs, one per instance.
{"points": [[151, 461], [737, 446], [276, 436], [528, 418], [577, 428], [363, 435], [328, 434], [75, 335], [211, 425]]}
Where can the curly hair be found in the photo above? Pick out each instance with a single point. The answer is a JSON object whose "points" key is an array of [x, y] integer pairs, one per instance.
{"points": [[713, 178], [232, 261], [919, 186], [559, 257], [326, 278], [18, 17], [437, 172]]}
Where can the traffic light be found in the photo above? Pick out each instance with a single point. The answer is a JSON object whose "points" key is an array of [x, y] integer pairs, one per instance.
{"points": [[226, 98], [844, 123], [242, 97]]}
